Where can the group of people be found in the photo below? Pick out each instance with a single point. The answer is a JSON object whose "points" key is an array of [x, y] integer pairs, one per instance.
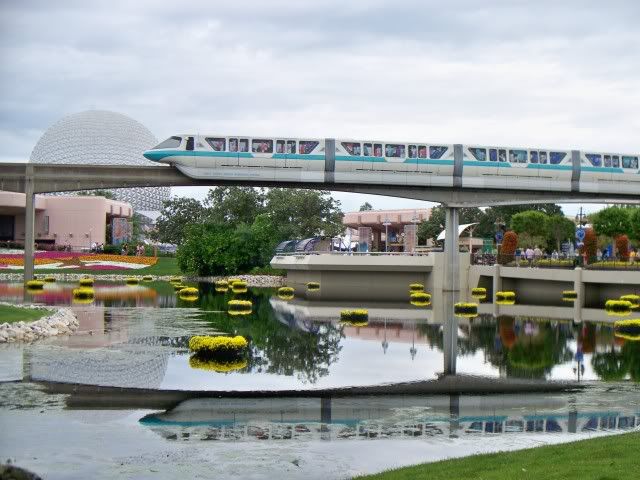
{"points": [[96, 247], [139, 249]]}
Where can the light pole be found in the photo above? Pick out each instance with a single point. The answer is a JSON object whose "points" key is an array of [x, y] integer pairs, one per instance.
{"points": [[414, 220], [386, 224]]}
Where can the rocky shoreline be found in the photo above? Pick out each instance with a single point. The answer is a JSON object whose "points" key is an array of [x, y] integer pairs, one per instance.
{"points": [[61, 321], [265, 281]]}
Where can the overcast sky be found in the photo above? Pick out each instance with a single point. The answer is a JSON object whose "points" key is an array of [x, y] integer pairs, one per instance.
{"points": [[545, 73]]}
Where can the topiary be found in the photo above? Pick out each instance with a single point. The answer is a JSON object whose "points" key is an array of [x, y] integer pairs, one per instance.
{"points": [[508, 249], [590, 244]]}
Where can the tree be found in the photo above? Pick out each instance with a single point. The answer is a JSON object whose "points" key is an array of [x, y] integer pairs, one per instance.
{"points": [[365, 207], [491, 215], [298, 213], [530, 221], [559, 228], [622, 246], [431, 228], [612, 221], [176, 215], [634, 217], [234, 205], [590, 244], [97, 193]]}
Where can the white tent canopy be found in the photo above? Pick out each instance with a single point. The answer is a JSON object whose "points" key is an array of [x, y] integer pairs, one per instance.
{"points": [[461, 228]]}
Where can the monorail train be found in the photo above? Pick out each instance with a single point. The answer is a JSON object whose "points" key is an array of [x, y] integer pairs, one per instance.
{"points": [[371, 162]]}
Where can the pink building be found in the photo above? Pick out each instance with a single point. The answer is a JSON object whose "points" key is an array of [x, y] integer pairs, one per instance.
{"points": [[61, 220]]}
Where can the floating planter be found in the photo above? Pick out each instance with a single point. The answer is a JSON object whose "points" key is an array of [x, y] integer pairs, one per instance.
{"points": [[189, 294], [313, 286], [83, 293], [239, 286], [620, 308], [132, 281], [220, 348], [222, 283], [479, 292], [505, 298], [627, 329], [178, 286], [217, 365], [633, 299], [231, 281], [569, 295], [416, 287], [420, 299], [467, 310], [147, 278], [49, 279], [34, 284], [175, 280], [86, 282], [285, 293], [239, 307], [358, 318]]}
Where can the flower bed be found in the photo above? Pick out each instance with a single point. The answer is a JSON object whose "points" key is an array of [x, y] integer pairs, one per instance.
{"points": [[239, 307], [219, 347], [420, 299], [463, 309], [633, 299], [620, 308], [286, 293], [358, 315], [479, 292], [627, 329], [217, 365], [613, 265]]}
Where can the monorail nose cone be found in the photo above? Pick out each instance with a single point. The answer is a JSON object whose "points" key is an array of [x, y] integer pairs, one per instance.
{"points": [[149, 155]]}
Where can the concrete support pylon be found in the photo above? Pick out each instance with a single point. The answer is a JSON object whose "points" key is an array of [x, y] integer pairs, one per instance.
{"points": [[29, 223], [451, 250]]}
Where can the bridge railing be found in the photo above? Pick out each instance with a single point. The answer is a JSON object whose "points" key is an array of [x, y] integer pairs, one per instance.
{"points": [[552, 261], [327, 252]]}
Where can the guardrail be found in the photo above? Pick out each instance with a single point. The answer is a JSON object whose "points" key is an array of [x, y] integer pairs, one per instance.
{"points": [[376, 254]]}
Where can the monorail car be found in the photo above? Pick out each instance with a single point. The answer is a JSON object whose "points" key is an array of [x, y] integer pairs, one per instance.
{"points": [[371, 162]]}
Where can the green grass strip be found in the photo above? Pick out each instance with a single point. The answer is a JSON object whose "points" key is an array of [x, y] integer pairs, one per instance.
{"points": [[604, 458], [11, 314]]}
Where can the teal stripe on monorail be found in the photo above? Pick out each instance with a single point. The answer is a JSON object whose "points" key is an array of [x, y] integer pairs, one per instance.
{"points": [[601, 169], [477, 163], [406, 161]]}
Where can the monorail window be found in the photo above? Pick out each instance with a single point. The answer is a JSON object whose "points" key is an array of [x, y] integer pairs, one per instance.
{"points": [[422, 151], [367, 149], [436, 152], [307, 146], [413, 151], [395, 150], [352, 148], [171, 142], [377, 149], [479, 153], [533, 156], [243, 145], [233, 144], [518, 156], [502, 155], [629, 162], [218, 144], [261, 146], [291, 146], [607, 161], [279, 146], [596, 160], [493, 155], [615, 161], [543, 157], [556, 158]]}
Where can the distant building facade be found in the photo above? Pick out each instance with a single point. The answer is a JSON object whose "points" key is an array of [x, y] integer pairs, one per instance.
{"points": [[72, 221]]}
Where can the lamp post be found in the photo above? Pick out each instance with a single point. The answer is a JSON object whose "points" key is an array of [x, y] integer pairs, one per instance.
{"points": [[386, 224], [414, 220], [580, 216]]}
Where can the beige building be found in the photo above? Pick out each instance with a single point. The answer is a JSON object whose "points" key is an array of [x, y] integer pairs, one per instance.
{"points": [[400, 224], [75, 221]]}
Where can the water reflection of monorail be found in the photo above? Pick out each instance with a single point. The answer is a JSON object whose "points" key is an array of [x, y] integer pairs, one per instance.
{"points": [[340, 418]]}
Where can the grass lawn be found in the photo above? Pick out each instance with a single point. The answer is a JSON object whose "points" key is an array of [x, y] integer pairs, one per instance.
{"points": [[11, 314], [605, 458], [164, 266]]}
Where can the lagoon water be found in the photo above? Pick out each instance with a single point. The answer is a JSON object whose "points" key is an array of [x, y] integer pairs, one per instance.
{"points": [[137, 336]]}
